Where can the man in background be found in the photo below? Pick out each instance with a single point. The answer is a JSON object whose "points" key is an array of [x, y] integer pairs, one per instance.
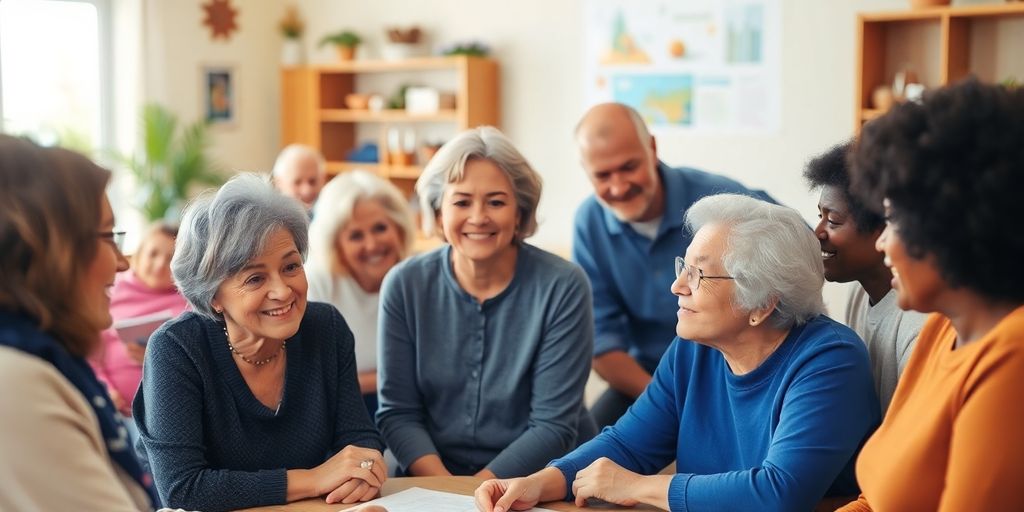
{"points": [[626, 237], [300, 172]]}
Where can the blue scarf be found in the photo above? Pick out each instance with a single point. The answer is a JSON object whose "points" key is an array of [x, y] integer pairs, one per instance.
{"points": [[21, 333]]}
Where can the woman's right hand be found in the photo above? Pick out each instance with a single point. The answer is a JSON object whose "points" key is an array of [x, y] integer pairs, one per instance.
{"points": [[508, 494], [345, 478]]}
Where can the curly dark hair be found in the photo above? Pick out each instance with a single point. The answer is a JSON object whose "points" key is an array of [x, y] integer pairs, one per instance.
{"points": [[952, 168], [830, 169]]}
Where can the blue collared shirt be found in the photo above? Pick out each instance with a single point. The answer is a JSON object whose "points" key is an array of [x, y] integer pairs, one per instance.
{"points": [[634, 310]]}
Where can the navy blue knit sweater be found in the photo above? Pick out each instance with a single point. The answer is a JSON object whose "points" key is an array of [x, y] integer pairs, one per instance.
{"points": [[212, 445]]}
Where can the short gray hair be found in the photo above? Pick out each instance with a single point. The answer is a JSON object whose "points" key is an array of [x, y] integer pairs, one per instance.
{"points": [[334, 210], [223, 231], [293, 152], [488, 143], [770, 251]]}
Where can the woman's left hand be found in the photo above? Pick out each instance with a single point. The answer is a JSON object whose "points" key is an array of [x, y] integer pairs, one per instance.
{"points": [[352, 491], [606, 480]]}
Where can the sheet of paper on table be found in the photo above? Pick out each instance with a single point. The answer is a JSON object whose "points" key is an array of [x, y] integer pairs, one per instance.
{"points": [[418, 500]]}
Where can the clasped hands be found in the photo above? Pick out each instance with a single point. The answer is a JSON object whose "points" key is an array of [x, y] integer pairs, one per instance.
{"points": [[602, 479], [354, 474]]}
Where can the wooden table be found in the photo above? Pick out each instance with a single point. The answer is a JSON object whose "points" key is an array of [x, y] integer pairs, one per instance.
{"points": [[454, 484]]}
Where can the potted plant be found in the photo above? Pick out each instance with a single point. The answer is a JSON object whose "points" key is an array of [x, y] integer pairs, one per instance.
{"points": [[346, 41], [291, 27], [169, 163], [469, 48], [403, 43]]}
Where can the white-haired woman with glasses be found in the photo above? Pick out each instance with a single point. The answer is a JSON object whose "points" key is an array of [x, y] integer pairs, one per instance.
{"points": [[361, 228], [765, 408], [251, 398], [484, 343]]}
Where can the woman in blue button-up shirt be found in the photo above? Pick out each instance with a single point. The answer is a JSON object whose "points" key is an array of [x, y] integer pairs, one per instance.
{"points": [[485, 342]]}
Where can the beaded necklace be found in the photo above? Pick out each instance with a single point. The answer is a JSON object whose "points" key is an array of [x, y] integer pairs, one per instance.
{"points": [[259, 362]]}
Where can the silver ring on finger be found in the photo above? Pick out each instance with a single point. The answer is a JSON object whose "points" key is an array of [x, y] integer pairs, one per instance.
{"points": [[366, 464]]}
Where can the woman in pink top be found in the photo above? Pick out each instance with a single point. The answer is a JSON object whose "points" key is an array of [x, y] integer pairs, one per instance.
{"points": [[145, 289]]}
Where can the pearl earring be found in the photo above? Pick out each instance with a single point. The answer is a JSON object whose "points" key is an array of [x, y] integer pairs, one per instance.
{"points": [[753, 321]]}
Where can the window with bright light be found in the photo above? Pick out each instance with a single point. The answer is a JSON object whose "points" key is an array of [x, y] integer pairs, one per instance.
{"points": [[52, 81]]}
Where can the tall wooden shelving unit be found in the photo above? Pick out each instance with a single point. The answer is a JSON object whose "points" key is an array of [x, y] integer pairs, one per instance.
{"points": [[942, 44], [313, 108]]}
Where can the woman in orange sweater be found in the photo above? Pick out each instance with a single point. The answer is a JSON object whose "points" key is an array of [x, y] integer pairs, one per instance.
{"points": [[949, 174]]}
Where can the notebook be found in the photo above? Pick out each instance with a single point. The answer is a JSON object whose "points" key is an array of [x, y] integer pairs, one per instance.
{"points": [[138, 329]]}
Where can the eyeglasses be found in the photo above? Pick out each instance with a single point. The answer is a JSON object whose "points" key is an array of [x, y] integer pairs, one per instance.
{"points": [[114, 237], [694, 275]]}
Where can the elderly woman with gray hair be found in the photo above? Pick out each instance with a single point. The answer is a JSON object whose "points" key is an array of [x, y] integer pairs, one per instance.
{"points": [[764, 410], [485, 342], [251, 399]]}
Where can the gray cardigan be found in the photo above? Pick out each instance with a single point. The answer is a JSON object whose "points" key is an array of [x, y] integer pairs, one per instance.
{"points": [[496, 385]]}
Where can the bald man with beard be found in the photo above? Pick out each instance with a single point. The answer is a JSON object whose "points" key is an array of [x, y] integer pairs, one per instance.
{"points": [[626, 237]]}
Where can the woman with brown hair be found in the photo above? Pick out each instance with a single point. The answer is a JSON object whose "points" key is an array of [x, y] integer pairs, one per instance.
{"points": [[63, 445]]}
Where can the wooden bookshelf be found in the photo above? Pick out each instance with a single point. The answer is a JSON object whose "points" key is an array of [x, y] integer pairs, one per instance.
{"points": [[941, 44], [313, 110]]}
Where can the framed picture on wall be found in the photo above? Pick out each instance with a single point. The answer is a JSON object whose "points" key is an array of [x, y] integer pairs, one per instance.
{"points": [[219, 95]]}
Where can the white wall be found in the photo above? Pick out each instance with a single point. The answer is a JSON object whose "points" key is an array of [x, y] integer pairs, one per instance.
{"points": [[176, 44], [539, 45]]}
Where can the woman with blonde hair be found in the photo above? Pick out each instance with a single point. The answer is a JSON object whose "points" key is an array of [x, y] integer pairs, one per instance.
{"points": [[144, 290], [63, 445], [361, 228]]}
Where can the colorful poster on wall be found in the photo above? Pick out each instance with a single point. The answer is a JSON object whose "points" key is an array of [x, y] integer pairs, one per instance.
{"points": [[687, 65]]}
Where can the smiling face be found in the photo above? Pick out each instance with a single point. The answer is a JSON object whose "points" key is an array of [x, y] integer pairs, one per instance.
{"points": [[369, 244], [267, 298], [99, 275], [847, 254], [152, 262], [622, 168], [916, 280], [478, 215], [707, 315]]}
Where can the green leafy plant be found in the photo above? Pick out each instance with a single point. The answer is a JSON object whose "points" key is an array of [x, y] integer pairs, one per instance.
{"points": [[1011, 83], [343, 38], [397, 100], [170, 163], [470, 48], [291, 25]]}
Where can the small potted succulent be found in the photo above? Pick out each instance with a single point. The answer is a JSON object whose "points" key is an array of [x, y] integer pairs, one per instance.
{"points": [[346, 41]]}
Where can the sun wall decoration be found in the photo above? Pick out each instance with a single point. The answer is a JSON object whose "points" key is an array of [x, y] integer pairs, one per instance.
{"points": [[220, 17]]}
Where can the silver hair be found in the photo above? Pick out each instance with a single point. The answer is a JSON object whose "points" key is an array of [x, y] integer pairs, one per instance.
{"points": [[449, 164], [222, 231], [772, 254], [334, 210], [294, 152]]}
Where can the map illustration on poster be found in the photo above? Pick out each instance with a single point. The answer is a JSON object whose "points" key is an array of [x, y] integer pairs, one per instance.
{"points": [[687, 65]]}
